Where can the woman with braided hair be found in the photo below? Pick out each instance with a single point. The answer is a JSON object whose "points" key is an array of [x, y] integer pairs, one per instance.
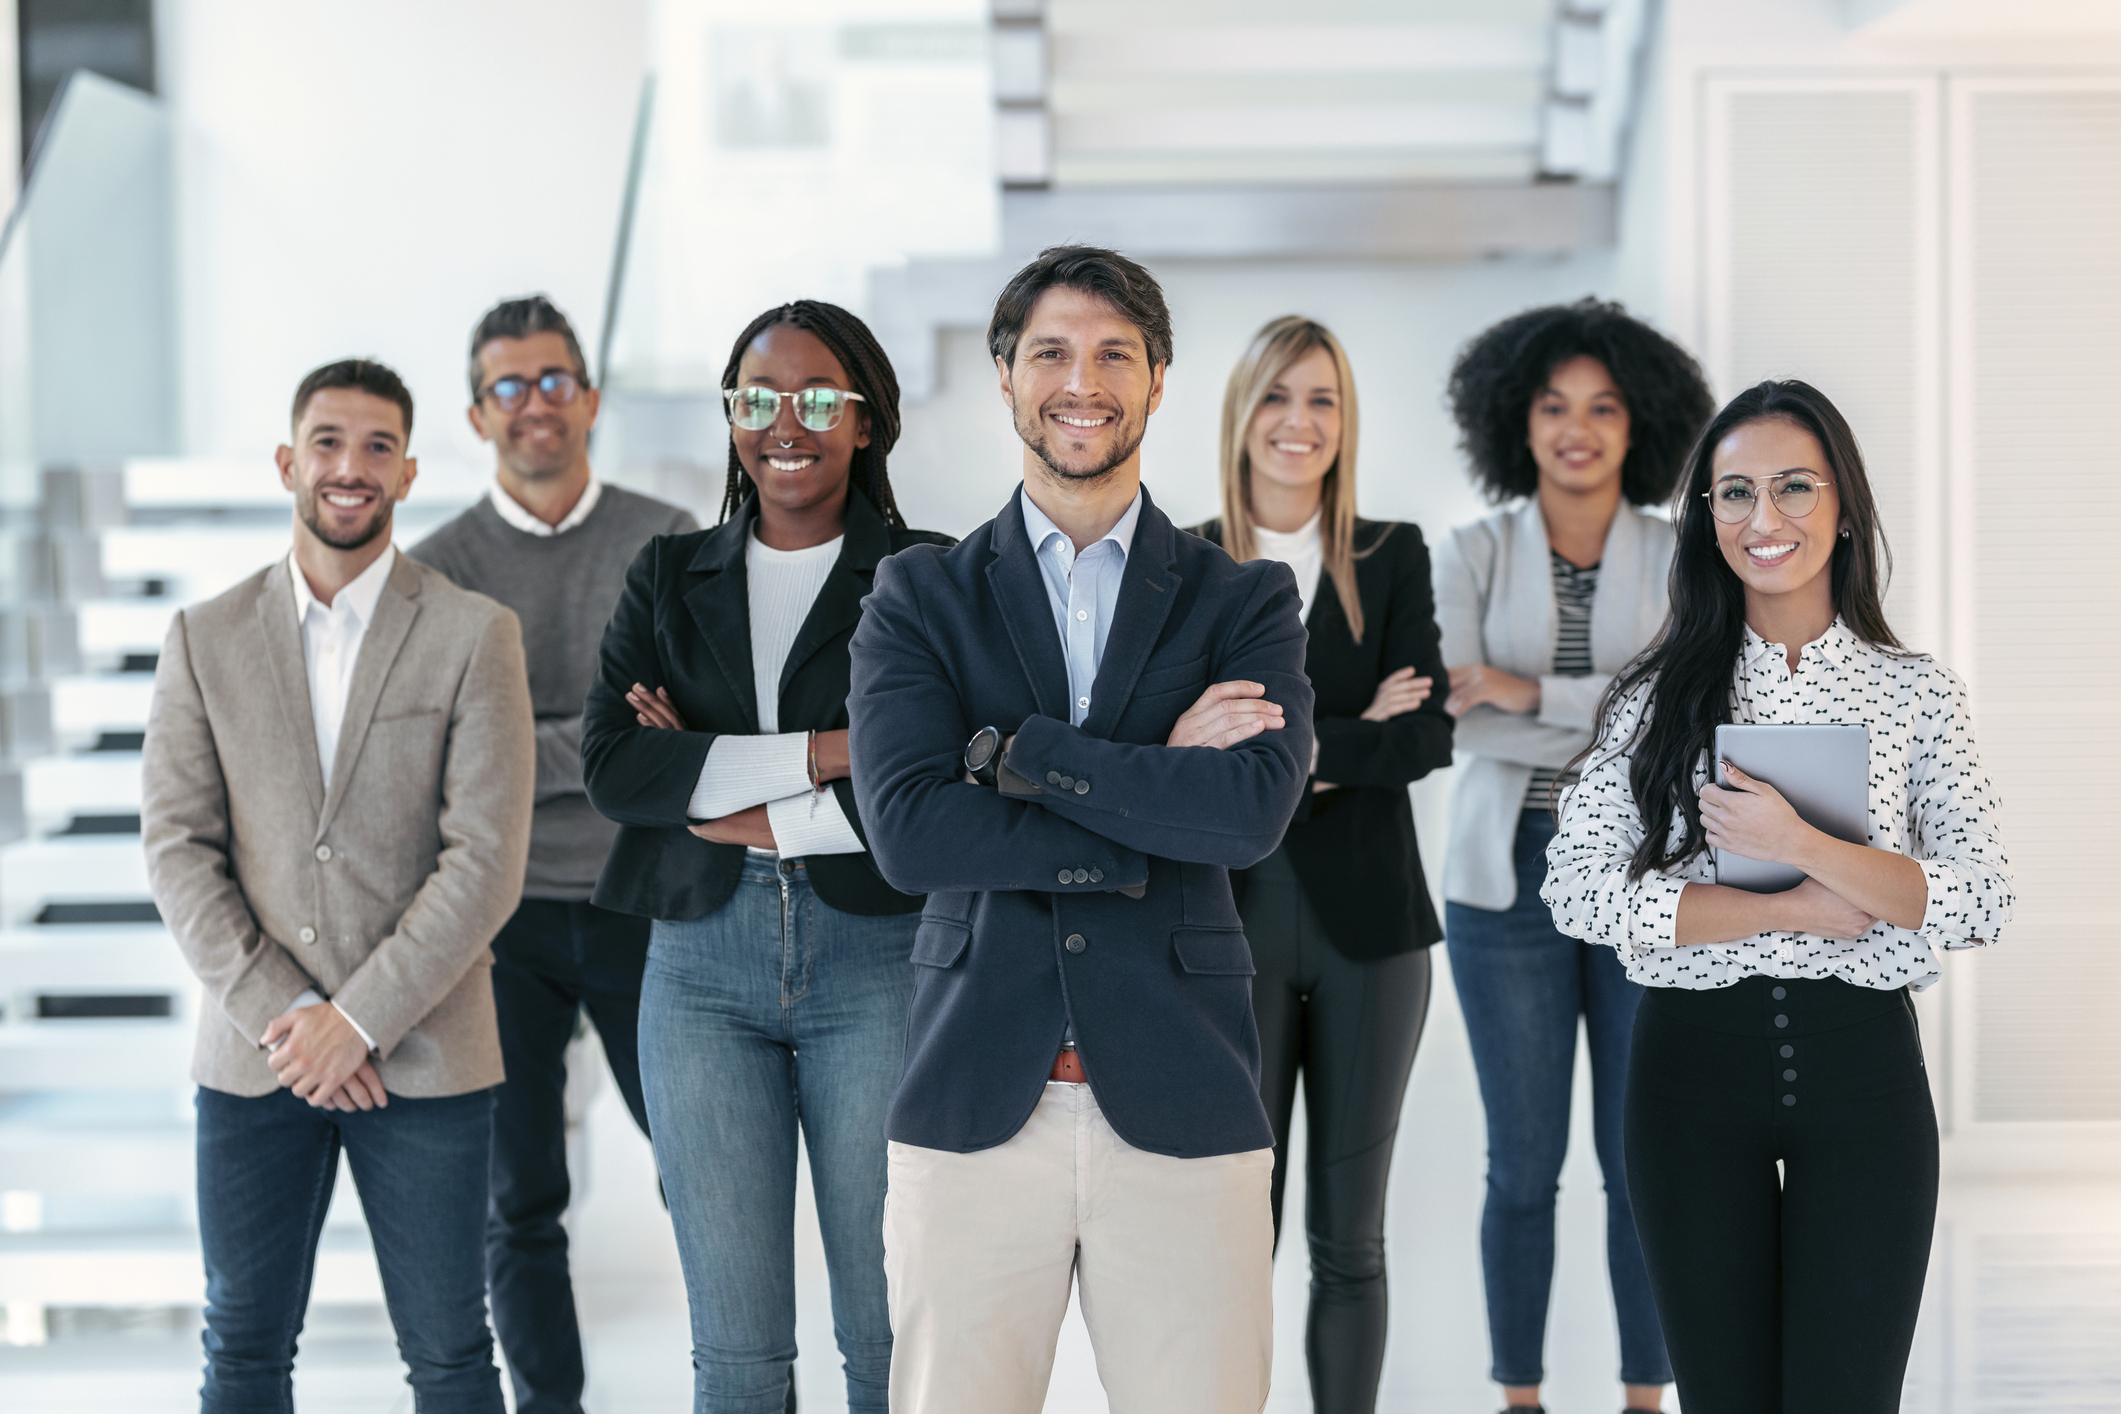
{"points": [[777, 981]]}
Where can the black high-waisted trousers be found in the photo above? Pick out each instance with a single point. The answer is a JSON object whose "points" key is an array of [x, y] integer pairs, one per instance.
{"points": [[1797, 1297], [1349, 1030]]}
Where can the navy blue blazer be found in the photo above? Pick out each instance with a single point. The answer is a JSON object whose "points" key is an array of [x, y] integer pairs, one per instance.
{"points": [[1022, 906]]}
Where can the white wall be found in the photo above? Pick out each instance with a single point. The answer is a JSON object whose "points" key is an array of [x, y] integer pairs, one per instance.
{"points": [[369, 179]]}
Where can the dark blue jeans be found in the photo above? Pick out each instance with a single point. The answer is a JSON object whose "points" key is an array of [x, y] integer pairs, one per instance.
{"points": [[774, 1011], [266, 1168], [1522, 986], [552, 960]]}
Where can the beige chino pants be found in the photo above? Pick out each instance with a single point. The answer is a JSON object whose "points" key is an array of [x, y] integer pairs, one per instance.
{"points": [[1174, 1258]]}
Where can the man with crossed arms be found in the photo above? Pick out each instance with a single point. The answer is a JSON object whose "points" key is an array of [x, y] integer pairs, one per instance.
{"points": [[1066, 731]]}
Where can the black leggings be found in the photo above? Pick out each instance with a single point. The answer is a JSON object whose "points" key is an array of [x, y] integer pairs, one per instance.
{"points": [[1799, 1295], [1351, 1029]]}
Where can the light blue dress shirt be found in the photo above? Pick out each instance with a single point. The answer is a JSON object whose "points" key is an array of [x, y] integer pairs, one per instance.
{"points": [[1084, 590]]}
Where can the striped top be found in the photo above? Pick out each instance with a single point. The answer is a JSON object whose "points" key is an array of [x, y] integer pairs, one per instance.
{"points": [[1573, 591]]}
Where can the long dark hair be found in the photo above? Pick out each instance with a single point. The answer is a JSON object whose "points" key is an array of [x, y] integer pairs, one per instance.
{"points": [[868, 370], [1686, 670]]}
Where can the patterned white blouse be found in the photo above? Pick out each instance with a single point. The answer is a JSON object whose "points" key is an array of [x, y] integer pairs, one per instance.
{"points": [[1929, 799]]}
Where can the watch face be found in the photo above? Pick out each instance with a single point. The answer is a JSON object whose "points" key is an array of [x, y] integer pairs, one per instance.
{"points": [[982, 747]]}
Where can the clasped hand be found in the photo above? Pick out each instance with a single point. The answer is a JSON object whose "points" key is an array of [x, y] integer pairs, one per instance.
{"points": [[317, 1054], [1752, 818]]}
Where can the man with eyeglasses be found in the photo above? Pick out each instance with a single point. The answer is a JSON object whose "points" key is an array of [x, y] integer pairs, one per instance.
{"points": [[552, 543]]}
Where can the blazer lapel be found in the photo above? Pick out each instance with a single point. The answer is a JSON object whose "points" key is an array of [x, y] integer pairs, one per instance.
{"points": [[1145, 597], [1613, 607], [289, 670], [1522, 614], [720, 605], [838, 606], [1020, 589], [396, 608]]}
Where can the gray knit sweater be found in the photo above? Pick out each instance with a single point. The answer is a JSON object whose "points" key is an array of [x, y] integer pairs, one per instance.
{"points": [[563, 587]]}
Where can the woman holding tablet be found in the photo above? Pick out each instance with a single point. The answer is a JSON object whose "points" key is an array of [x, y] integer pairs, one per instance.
{"points": [[1587, 415], [1777, 1028]]}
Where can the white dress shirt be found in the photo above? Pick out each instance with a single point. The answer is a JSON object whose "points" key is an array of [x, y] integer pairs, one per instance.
{"points": [[331, 645], [1083, 588], [1929, 800], [511, 510], [773, 768]]}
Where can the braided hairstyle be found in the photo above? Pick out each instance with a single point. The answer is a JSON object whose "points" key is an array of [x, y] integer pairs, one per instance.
{"points": [[868, 370]]}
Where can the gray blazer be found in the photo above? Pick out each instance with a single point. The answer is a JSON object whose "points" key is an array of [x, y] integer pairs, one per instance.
{"points": [[1495, 605], [383, 892]]}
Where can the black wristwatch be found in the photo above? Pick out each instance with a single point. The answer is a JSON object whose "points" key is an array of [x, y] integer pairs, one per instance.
{"points": [[983, 754]]}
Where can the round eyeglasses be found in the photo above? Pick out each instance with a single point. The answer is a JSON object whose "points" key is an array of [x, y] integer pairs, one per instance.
{"points": [[1734, 498], [754, 408], [558, 386]]}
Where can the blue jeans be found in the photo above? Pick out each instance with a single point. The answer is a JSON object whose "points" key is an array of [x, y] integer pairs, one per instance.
{"points": [[1522, 985], [266, 1168], [776, 1010]]}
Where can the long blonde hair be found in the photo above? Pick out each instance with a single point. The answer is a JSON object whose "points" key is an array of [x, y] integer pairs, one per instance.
{"points": [[1273, 351]]}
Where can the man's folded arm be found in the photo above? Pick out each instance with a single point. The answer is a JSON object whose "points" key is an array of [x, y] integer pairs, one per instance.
{"points": [[184, 827], [636, 775], [488, 782], [1199, 804], [929, 830]]}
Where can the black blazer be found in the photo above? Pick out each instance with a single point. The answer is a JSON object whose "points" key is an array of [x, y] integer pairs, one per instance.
{"points": [[1024, 928], [1353, 849], [684, 622]]}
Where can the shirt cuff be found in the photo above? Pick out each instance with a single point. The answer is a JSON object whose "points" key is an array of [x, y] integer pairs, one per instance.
{"points": [[743, 771], [1948, 913], [811, 823], [1654, 914], [366, 1039]]}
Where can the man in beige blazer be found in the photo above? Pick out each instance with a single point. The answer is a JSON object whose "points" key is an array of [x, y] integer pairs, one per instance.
{"points": [[336, 806]]}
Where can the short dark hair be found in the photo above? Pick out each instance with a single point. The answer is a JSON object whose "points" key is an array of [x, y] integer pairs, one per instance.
{"points": [[1113, 278], [519, 319], [1501, 371], [363, 373]]}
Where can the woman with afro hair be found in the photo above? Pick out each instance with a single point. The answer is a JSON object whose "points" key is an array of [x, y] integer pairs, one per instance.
{"points": [[1572, 417]]}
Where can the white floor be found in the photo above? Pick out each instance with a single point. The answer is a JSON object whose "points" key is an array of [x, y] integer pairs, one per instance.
{"points": [[2024, 1309]]}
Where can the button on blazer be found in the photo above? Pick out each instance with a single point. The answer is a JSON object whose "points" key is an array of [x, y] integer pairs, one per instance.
{"points": [[1353, 849], [684, 623], [381, 892], [1023, 909]]}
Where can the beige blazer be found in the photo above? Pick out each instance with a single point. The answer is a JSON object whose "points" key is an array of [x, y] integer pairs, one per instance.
{"points": [[383, 892], [1495, 605]]}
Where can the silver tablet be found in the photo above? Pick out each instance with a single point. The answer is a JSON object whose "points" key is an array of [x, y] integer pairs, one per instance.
{"points": [[1824, 772]]}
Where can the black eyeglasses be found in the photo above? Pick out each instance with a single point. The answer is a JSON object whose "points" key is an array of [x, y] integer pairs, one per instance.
{"points": [[1795, 493], [558, 386]]}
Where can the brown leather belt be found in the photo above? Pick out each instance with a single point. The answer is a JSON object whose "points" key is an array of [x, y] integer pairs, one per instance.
{"points": [[1069, 1067]]}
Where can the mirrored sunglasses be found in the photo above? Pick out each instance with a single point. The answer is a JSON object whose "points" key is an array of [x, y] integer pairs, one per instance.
{"points": [[754, 408]]}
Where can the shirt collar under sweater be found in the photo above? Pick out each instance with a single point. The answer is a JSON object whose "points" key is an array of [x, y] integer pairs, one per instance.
{"points": [[511, 510]]}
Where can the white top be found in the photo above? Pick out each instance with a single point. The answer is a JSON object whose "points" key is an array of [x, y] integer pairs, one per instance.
{"points": [[773, 768], [1929, 799], [511, 510], [1082, 586], [331, 645], [1303, 551]]}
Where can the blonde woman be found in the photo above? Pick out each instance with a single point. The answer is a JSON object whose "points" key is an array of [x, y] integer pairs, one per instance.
{"points": [[1339, 916]]}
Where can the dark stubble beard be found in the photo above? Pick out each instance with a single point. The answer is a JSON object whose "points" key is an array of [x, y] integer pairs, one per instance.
{"points": [[1128, 441], [379, 524]]}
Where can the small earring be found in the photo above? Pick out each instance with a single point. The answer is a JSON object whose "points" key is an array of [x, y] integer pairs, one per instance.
{"points": [[1844, 529]]}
